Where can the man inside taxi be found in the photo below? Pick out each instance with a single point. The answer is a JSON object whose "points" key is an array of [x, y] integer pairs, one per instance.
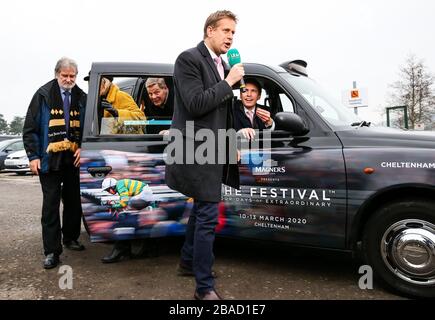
{"points": [[161, 106], [248, 114]]}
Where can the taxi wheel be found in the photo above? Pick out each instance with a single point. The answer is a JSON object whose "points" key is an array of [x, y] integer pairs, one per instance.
{"points": [[399, 244]]}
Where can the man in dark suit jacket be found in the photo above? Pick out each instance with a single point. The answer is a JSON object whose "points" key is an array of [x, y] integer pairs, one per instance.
{"points": [[248, 115], [203, 98]]}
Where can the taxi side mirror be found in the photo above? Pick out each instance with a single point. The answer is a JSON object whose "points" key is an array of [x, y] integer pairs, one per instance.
{"points": [[291, 122]]}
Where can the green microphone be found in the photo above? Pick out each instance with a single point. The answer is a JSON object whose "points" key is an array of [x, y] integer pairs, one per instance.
{"points": [[233, 56]]}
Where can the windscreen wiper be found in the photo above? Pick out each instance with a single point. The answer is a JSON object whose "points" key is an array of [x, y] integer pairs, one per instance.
{"points": [[361, 124]]}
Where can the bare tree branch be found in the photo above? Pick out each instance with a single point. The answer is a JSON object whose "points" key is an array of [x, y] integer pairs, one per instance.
{"points": [[415, 90]]}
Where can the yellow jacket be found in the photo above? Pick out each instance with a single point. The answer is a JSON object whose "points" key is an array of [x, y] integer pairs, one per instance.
{"points": [[124, 104]]}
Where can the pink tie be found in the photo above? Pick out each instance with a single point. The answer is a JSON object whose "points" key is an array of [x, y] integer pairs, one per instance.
{"points": [[250, 115], [220, 67]]}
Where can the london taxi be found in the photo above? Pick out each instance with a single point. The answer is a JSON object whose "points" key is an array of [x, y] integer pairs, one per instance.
{"points": [[331, 180]]}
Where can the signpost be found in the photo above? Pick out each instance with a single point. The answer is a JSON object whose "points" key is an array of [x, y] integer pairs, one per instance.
{"points": [[355, 98], [405, 115]]}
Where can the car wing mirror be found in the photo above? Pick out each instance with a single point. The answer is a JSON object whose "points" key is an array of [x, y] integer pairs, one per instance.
{"points": [[291, 122]]}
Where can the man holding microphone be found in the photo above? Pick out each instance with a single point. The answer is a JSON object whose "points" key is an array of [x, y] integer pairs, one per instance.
{"points": [[203, 96]]}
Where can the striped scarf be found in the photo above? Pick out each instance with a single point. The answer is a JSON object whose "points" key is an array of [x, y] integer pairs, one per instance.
{"points": [[58, 139]]}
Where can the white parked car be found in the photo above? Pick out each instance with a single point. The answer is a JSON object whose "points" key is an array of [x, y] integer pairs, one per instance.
{"points": [[17, 162]]}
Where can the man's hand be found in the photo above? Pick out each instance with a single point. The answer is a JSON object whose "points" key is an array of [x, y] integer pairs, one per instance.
{"points": [[236, 73], [107, 106], [248, 133], [164, 132], [77, 158], [35, 166], [264, 116]]}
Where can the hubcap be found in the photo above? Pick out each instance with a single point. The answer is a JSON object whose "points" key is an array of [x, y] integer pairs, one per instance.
{"points": [[408, 249]]}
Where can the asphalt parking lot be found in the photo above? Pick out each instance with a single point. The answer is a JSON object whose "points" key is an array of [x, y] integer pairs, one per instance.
{"points": [[246, 270]]}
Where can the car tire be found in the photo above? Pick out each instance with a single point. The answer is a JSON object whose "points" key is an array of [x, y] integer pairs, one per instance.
{"points": [[399, 244]]}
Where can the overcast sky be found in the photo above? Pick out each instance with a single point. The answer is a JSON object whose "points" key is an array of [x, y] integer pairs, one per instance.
{"points": [[342, 40]]}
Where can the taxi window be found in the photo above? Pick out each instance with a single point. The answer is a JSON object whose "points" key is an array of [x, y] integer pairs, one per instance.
{"points": [[117, 110], [286, 103], [120, 111], [272, 97]]}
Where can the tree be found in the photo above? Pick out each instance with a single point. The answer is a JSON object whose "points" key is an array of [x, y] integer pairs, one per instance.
{"points": [[414, 89], [16, 125], [3, 125]]}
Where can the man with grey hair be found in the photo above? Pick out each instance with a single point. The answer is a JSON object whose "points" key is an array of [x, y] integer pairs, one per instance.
{"points": [[52, 136], [160, 106]]}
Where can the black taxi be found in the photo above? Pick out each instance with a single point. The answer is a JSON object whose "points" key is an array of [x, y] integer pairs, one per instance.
{"points": [[329, 180]]}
